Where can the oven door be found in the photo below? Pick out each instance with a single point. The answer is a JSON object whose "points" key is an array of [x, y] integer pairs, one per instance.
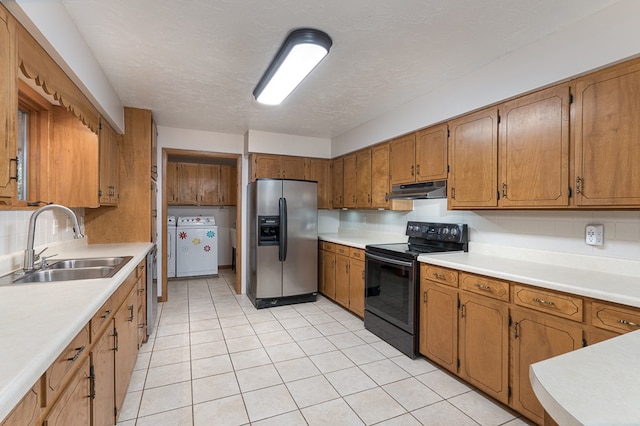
{"points": [[390, 290]]}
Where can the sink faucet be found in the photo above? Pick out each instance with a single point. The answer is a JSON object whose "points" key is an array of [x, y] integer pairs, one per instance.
{"points": [[29, 254]]}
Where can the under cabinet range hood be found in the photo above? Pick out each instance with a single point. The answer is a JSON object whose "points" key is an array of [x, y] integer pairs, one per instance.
{"points": [[419, 191]]}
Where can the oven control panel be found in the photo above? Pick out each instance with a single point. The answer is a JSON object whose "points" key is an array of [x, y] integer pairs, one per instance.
{"points": [[448, 232]]}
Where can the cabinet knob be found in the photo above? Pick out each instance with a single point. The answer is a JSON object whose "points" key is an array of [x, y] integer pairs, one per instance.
{"points": [[411, 170]]}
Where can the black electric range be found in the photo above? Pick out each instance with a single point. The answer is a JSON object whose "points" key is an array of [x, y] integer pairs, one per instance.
{"points": [[392, 277]]}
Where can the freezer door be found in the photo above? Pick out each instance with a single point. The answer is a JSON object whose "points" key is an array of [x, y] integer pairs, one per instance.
{"points": [[267, 275], [300, 267]]}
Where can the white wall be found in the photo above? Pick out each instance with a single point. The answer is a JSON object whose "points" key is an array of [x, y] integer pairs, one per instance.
{"points": [[52, 227], [279, 143], [605, 37]]}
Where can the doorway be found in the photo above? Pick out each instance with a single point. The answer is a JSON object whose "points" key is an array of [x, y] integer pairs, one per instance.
{"points": [[203, 157]]}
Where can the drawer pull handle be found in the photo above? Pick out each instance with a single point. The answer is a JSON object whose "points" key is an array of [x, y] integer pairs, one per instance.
{"points": [[130, 308], [625, 322], [78, 352], [544, 302], [439, 276], [106, 314], [483, 287]]}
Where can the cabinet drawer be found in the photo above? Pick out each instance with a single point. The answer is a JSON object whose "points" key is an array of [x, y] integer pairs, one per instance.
{"points": [[326, 246], [561, 305], [357, 253], [489, 287], [66, 364], [102, 317], [140, 269], [342, 250], [438, 274], [615, 318]]}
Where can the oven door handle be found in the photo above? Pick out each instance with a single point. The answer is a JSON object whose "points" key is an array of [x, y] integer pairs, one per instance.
{"points": [[389, 261]]}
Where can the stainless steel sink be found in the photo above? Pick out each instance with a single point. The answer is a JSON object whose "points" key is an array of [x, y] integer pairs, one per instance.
{"points": [[69, 270], [50, 275], [89, 262]]}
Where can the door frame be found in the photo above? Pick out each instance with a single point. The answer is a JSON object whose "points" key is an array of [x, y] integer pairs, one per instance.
{"points": [[200, 155]]}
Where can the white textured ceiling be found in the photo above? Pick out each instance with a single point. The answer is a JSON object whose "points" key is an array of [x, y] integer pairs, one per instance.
{"points": [[195, 62]]}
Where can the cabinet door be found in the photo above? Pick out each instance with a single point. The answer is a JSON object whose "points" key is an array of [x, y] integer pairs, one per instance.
{"points": [[473, 156], [233, 186], [75, 158], [73, 408], [329, 274], [607, 129], [342, 280], [356, 287], [337, 181], [266, 166], [536, 337], [187, 184], [439, 324], [350, 192], [172, 183], [208, 184], [380, 176], [103, 364], [534, 149], [8, 106], [292, 167], [126, 350], [318, 169], [363, 178], [402, 153], [108, 141], [431, 153], [224, 185], [484, 344]]}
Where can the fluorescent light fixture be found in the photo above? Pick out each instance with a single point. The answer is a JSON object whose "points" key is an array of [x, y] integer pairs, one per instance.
{"points": [[301, 51]]}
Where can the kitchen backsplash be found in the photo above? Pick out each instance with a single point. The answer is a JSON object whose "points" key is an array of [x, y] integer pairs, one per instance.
{"points": [[556, 231], [52, 227]]}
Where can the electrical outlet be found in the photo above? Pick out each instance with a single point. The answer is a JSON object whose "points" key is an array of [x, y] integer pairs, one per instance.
{"points": [[594, 235]]}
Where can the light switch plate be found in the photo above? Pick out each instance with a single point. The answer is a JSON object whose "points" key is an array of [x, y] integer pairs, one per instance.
{"points": [[594, 235]]}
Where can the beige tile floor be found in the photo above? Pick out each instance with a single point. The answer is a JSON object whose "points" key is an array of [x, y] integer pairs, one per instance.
{"points": [[216, 360]]}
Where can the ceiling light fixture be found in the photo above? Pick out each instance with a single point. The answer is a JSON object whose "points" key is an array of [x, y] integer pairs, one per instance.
{"points": [[301, 51]]}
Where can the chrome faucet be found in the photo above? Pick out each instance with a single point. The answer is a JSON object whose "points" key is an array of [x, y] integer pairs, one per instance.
{"points": [[29, 254]]}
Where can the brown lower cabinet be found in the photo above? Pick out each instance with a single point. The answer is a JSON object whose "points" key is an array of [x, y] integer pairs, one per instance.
{"points": [[88, 382], [342, 275], [536, 337], [489, 331]]}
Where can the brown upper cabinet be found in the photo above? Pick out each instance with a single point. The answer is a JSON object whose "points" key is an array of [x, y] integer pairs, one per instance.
{"points": [[363, 178], [109, 165], [319, 169], [276, 166], [513, 155], [8, 107], [534, 149], [473, 156], [350, 183], [380, 185], [337, 182], [420, 156], [192, 184], [607, 137]]}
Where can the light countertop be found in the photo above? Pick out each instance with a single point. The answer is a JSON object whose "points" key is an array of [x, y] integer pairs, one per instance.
{"points": [[612, 287], [595, 385], [40, 319]]}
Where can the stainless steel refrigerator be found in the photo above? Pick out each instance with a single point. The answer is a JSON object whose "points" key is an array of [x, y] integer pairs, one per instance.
{"points": [[283, 227]]}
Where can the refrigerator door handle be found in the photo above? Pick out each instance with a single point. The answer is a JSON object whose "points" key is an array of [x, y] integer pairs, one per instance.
{"points": [[282, 252]]}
